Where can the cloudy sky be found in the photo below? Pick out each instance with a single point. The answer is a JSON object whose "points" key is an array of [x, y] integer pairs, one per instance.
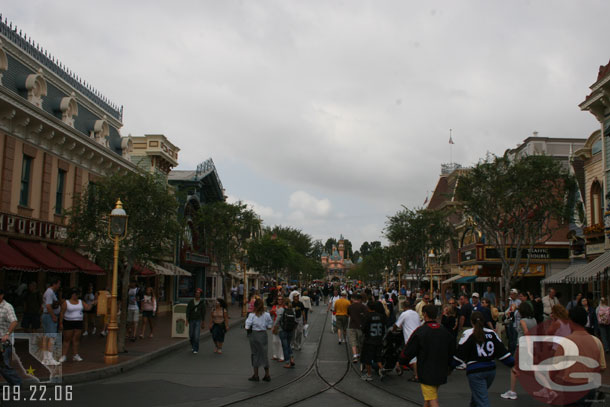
{"points": [[330, 115]]}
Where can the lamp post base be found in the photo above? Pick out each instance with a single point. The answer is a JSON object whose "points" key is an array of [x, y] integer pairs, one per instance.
{"points": [[111, 355]]}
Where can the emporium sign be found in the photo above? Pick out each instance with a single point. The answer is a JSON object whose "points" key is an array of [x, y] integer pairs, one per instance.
{"points": [[31, 227]]}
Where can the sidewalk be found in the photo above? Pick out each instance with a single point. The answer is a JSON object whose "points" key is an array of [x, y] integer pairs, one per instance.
{"points": [[92, 349]]}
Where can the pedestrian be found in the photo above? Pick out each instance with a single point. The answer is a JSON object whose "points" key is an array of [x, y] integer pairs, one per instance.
{"points": [[195, 316], [591, 324], [219, 324], [341, 306], [487, 315], [420, 306], [408, 321], [603, 322], [90, 315], [474, 301], [149, 310], [490, 295], [306, 300], [257, 324], [527, 324], [538, 308], [434, 348], [50, 321], [240, 293], [276, 343], [449, 320], [32, 305], [133, 310], [284, 325], [356, 312], [299, 312], [478, 348], [71, 324], [8, 323], [574, 301], [464, 315], [548, 301], [373, 330], [510, 320]]}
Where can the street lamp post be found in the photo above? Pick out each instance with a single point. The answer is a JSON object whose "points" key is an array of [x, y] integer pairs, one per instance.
{"points": [[431, 256], [385, 269], [244, 265], [117, 230], [398, 270]]}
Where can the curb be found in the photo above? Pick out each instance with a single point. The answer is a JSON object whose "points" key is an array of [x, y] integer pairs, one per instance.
{"points": [[123, 367]]}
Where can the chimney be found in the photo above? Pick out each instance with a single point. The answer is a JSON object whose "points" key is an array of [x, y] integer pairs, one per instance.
{"points": [[535, 133]]}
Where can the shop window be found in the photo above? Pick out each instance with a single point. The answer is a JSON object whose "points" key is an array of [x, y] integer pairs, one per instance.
{"points": [[59, 194], [26, 170]]}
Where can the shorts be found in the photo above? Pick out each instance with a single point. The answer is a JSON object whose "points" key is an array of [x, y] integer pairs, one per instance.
{"points": [[148, 314], [30, 320], [342, 323], [355, 337], [70, 325], [371, 354], [429, 392], [133, 315], [48, 326]]}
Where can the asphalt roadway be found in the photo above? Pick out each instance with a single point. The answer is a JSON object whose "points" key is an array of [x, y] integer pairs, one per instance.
{"points": [[323, 376]]}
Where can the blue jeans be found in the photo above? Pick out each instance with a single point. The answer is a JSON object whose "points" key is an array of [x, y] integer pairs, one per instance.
{"points": [[286, 338], [194, 333], [512, 336], [6, 370], [479, 383]]}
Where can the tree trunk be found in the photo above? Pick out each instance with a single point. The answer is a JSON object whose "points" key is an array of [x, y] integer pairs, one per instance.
{"points": [[123, 320]]}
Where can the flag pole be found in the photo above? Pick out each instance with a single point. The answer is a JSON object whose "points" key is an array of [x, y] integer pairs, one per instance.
{"points": [[450, 148]]}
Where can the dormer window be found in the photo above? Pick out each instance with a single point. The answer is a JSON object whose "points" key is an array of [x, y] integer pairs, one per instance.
{"points": [[36, 86], [69, 109]]}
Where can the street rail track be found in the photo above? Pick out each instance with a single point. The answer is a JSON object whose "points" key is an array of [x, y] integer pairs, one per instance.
{"points": [[313, 370]]}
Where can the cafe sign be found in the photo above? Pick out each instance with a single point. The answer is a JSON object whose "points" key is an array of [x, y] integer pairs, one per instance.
{"points": [[20, 226]]}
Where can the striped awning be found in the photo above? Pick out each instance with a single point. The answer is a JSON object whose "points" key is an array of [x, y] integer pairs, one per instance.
{"points": [[452, 279], [591, 271], [560, 277]]}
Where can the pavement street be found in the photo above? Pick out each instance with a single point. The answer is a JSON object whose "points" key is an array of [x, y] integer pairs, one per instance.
{"points": [[181, 379]]}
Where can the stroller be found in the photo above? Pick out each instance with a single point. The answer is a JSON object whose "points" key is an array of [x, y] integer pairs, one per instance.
{"points": [[393, 343]]}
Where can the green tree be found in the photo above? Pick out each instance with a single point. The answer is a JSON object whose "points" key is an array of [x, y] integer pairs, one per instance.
{"points": [[227, 229], [270, 254], [516, 204], [316, 250], [414, 232], [151, 231], [365, 248], [330, 242], [299, 241]]}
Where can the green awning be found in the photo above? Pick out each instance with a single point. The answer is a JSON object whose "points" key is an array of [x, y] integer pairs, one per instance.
{"points": [[467, 279]]}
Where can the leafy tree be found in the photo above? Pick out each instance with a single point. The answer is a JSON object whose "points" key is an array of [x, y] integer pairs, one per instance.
{"points": [[365, 248], [270, 254], [330, 242], [316, 250], [145, 198], [414, 232], [347, 246], [227, 229], [299, 241], [516, 204]]}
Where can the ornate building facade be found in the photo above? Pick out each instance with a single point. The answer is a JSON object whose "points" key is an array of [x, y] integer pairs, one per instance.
{"points": [[336, 265]]}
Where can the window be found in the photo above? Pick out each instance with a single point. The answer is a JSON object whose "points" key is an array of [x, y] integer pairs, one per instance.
{"points": [[26, 169], [597, 215], [59, 195]]}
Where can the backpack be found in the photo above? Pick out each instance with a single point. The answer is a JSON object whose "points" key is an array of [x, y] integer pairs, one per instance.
{"points": [[288, 322], [604, 315]]}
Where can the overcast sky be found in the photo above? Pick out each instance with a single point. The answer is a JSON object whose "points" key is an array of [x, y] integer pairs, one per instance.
{"points": [[329, 115]]}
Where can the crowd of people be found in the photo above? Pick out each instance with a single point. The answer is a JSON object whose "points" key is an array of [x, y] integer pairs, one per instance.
{"points": [[423, 335]]}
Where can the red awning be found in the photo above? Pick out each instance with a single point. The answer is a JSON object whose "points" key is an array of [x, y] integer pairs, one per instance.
{"points": [[143, 271], [46, 258], [84, 264], [12, 259]]}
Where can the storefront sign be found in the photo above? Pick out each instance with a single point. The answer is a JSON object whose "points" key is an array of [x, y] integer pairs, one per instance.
{"points": [[537, 253], [468, 255], [197, 258], [595, 248], [19, 225]]}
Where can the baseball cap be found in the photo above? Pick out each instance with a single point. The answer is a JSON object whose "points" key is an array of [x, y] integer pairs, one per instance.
{"points": [[475, 295], [199, 290], [514, 291], [343, 292]]}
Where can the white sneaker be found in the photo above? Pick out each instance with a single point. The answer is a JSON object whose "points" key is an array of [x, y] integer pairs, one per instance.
{"points": [[85, 333], [77, 358], [367, 378], [104, 333], [194, 352], [93, 332], [62, 359], [509, 395], [49, 361]]}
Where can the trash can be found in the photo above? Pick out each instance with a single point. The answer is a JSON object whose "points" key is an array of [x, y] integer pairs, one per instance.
{"points": [[179, 327]]}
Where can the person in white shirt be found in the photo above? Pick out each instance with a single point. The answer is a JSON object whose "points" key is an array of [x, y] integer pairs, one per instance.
{"points": [[50, 321], [547, 302], [257, 324], [306, 300], [8, 323], [408, 321]]}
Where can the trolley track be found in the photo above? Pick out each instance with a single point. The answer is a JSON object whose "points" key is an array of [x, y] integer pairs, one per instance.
{"points": [[321, 379]]}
